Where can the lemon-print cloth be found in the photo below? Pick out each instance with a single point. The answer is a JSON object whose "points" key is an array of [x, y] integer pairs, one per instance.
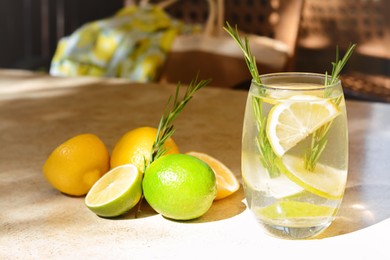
{"points": [[132, 44]]}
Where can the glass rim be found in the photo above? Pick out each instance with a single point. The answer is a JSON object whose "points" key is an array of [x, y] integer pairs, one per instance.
{"points": [[313, 75]]}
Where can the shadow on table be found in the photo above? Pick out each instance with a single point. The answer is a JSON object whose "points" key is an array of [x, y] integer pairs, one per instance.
{"points": [[357, 213], [225, 208], [220, 209], [367, 197]]}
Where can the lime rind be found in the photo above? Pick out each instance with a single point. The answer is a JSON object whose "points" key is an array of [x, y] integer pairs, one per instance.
{"points": [[227, 182], [179, 186], [116, 192]]}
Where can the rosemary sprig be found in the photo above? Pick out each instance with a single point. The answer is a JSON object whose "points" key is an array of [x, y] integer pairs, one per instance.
{"points": [[319, 137], [165, 127], [267, 155], [338, 65], [249, 58], [172, 111]]}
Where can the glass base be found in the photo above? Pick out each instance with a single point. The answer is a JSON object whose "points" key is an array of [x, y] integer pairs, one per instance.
{"points": [[293, 232]]}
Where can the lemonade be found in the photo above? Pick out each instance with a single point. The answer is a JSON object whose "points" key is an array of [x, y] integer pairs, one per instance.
{"points": [[294, 153]]}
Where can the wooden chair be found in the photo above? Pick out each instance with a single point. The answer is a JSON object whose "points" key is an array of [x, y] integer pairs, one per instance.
{"points": [[326, 24], [277, 20]]}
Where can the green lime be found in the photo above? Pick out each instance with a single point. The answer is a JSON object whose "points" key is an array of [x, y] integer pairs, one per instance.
{"points": [[179, 186], [295, 209], [116, 192]]}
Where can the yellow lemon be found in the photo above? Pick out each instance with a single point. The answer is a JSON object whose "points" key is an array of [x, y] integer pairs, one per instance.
{"points": [[134, 147], [296, 118], [74, 166], [324, 181]]}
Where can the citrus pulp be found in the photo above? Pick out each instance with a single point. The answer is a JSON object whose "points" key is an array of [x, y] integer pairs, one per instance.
{"points": [[324, 181], [296, 118], [116, 192], [227, 182]]}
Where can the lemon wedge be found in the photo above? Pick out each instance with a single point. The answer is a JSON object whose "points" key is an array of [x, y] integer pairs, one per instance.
{"points": [[227, 182], [325, 181], [291, 121]]}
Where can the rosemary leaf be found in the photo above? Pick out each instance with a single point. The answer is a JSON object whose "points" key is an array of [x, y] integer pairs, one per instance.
{"points": [[172, 111], [267, 155], [245, 48], [319, 137], [165, 127]]}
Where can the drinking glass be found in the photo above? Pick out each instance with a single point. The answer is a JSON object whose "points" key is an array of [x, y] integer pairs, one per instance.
{"points": [[295, 153]]}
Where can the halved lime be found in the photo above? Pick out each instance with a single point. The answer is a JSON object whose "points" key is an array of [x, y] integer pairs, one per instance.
{"points": [[291, 121], [116, 192], [325, 181]]}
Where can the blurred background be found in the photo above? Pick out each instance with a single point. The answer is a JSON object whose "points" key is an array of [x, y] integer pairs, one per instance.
{"points": [[310, 29]]}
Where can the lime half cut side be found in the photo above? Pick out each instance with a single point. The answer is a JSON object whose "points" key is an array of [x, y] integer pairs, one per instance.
{"points": [[294, 119], [116, 192], [325, 181]]}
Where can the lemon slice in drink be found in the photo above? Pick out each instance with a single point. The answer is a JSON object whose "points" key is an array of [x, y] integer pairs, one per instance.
{"points": [[324, 181], [116, 192], [296, 118], [295, 209]]}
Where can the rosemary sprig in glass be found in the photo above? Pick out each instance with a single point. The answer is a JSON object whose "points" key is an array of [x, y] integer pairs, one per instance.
{"points": [[249, 58], [267, 155], [319, 137]]}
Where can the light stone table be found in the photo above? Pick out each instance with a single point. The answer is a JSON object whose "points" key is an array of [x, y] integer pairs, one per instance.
{"points": [[38, 112]]}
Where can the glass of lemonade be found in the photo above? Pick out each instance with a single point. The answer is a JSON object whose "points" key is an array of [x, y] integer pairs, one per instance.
{"points": [[295, 153]]}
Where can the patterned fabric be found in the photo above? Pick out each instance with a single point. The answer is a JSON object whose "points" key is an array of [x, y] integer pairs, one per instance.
{"points": [[132, 44]]}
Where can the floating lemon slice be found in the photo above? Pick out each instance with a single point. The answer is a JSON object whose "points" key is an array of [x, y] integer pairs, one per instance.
{"points": [[296, 118], [116, 192], [295, 209], [325, 181]]}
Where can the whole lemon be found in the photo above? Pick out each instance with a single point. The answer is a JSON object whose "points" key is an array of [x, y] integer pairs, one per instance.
{"points": [[74, 166], [134, 147], [179, 186]]}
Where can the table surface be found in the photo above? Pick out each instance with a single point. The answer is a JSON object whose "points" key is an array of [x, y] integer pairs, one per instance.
{"points": [[38, 112]]}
